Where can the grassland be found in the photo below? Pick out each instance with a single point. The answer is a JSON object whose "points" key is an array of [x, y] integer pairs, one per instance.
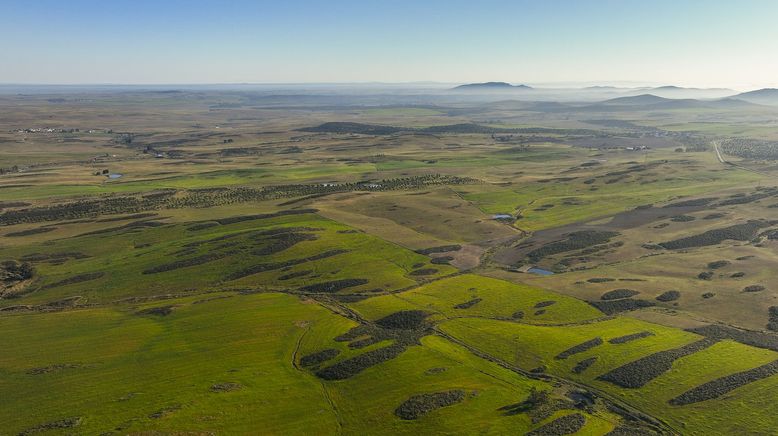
{"points": [[251, 269], [497, 299], [119, 370], [128, 259]]}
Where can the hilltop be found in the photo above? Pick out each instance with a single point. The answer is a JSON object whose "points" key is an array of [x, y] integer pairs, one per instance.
{"points": [[768, 96], [489, 86]]}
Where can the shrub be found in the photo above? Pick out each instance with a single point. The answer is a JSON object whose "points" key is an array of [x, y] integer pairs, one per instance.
{"points": [[737, 232], [572, 241], [78, 278], [404, 320], [419, 405], [613, 307], [468, 304], [580, 348], [441, 249], [600, 280], [353, 366], [755, 339], [618, 294], [423, 272], [631, 337], [567, 424], [720, 386], [637, 373], [319, 357], [669, 296], [584, 364], [718, 264], [754, 288], [333, 286]]}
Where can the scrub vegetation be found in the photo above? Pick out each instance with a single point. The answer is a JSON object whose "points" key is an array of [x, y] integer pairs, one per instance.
{"points": [[217, 262]]}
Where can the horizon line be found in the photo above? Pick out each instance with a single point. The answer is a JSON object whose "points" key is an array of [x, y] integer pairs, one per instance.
{"points": [[541, 86]]}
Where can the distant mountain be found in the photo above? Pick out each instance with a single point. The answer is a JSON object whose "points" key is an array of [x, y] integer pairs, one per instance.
{"points": [[642, 99], [490, 86], [768, 96], [671, 91], [653, 102]]}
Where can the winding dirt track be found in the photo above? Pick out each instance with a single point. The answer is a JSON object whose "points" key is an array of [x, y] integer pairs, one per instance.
{"points": [[718, 153]]}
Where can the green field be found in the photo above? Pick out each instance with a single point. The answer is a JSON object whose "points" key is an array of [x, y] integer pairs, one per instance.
{"points": [[304, 264]]}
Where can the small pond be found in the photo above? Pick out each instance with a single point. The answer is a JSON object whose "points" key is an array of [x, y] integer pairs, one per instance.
{"points": [[540, 271]]}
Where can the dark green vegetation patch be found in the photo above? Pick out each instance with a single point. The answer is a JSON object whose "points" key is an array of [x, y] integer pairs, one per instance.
{"points": [[60, 424], [78, 278], [440, 249], [333, 286], [720, 386], [637, 373], [30, 232], [631, 337], [295, 275], [54, 368], [755, 339], [718, 264], [185, 263], [692, 203], [404, 320], [772, 313], [158, 311], [353, 366], [441, 260], [754, 288], [668, 296], [745, 199], [612, 307], [226, 387], [319, 357], [263, 267], [618, 294], [567, 424], [737, 232], [580, 348], [404, 328], [572, 241], [600, 280], [468, 304], [53, 258], [423, 272], [584, 364], [420, 405]]}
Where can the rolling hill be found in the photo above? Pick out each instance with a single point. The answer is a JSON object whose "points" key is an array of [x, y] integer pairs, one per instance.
{"points": [[490, 87], [768, 96], [653, 102]]}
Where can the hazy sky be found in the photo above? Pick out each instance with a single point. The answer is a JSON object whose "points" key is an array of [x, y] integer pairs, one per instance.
{"points": [[686, 42]]}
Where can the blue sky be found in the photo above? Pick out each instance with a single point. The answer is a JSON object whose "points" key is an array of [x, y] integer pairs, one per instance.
{"points": [[685, 42]]}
